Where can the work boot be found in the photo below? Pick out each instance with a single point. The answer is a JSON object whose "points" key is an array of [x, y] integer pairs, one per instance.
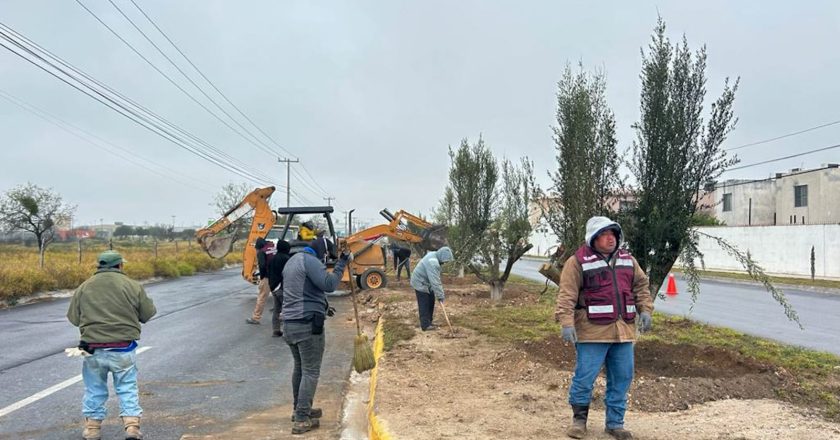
{"points": [[305, 426], [314, 413], [92, 430], [579, 416], [132, 428], [277, 333], [619, 433]]}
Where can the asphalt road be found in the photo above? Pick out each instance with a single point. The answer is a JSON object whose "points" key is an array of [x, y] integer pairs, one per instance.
{"points": [[203, 369], [749, 309]]}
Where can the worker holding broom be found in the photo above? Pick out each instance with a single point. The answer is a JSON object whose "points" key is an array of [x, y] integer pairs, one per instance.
{"points": [[603, 290], [305, 284]]}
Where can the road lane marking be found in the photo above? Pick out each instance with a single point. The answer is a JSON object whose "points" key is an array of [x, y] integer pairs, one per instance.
{"points": [[51, 390]]}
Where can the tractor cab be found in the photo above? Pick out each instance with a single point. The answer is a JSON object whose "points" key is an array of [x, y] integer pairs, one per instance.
{"points": [[292, 231]]}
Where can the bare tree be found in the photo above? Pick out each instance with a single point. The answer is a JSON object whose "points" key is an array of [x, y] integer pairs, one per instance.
{"points": [[36, 210]]}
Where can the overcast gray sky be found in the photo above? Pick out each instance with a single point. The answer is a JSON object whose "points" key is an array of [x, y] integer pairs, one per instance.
{"points": [[370, 94]]}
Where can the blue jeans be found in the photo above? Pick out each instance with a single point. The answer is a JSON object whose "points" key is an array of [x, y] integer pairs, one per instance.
{"points": [[618, 358], [123, 369], [307, 351]]}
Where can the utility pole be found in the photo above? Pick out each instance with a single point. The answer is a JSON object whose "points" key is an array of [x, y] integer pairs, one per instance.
{"points": [[288, 175], [329, 199]]}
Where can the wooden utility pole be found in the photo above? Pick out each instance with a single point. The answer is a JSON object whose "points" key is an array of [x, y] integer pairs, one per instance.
{"points": [[329, 200], [288, 162]]}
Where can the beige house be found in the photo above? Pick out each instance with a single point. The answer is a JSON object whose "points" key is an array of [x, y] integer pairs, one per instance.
{"points": [[793, 198]]}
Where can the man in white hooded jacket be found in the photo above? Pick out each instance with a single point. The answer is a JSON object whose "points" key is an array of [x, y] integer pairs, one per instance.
{"points": [[426, 282]]}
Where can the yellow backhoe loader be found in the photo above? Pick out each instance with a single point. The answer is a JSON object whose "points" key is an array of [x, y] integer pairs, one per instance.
{"points": [[368, 265], [217, 244]]}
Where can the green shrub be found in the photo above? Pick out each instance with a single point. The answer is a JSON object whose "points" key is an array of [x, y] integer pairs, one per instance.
{"points": [[166, 268], [185, 269]]}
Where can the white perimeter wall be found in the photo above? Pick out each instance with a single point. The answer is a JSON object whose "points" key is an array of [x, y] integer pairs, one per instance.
{"points": [[784, 250]]}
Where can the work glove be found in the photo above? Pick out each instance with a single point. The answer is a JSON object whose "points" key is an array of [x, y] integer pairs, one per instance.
{"points": [[330, 311], [569, 334], [76, 351], [645, 322], [346, 256]]}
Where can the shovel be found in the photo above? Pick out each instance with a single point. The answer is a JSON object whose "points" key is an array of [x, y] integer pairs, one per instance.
{"points": [[445, 315]]}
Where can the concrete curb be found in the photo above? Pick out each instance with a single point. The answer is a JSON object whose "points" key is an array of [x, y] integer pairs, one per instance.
{"points": [[376, 427]]}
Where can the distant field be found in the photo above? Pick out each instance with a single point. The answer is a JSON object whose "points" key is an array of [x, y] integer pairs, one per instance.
{"points": [[20, 275]]}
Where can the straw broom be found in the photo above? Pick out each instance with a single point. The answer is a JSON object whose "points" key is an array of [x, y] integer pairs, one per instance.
{"points": [[363, 359]]}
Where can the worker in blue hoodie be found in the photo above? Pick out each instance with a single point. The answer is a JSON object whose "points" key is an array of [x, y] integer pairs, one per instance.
{"points": [[306, 282], [426, 282]]}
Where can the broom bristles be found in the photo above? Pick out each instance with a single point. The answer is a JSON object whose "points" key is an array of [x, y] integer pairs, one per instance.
{"points": [[363, 359]]}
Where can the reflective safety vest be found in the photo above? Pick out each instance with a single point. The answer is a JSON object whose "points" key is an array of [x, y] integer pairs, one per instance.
{"points": [[607, 291]]}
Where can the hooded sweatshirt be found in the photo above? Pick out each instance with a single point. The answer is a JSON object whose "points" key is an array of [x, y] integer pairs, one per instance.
{"points": [[571, 282], [426, 277], [277, 264], [305, 284]]}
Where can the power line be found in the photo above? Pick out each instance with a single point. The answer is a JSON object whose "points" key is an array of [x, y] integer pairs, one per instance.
{"points": [[209, 81], [784, 136], [306, 184], [729, 184], [168, 78], [58, 122], [124, 106], [783, 158], [213, 85], [259, 143], [315, 181]]}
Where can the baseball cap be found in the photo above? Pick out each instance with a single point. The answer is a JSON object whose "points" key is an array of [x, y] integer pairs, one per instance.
{"points": [[110, 259]]}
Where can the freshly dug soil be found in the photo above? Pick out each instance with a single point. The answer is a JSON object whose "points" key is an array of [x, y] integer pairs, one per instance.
{"points": [[474, 387]]}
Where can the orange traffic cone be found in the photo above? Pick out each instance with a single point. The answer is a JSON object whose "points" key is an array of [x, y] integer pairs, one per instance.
{"points": [[672, 286]]}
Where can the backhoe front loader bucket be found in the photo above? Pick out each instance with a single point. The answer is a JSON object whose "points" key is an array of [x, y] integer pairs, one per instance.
{"points": [[434, 237], [217, 247]]}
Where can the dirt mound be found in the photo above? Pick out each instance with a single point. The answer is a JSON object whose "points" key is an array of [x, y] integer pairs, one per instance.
{"points": [[655, 358], [674, 377]]}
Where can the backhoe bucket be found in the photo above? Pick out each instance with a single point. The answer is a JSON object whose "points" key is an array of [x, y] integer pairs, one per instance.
{"points": [[434, 237], [217, 247]]}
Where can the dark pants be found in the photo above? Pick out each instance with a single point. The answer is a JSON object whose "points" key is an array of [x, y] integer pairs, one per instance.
{"points": [[276, 323], [403, 263], [308, 351], [426, 308]]}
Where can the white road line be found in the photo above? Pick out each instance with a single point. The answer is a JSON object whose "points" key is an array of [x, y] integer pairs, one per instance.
{"points": [[51, 390]]}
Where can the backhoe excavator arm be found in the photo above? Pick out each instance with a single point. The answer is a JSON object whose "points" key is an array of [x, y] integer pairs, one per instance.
{"points": [[264, 218], [401, 226]]}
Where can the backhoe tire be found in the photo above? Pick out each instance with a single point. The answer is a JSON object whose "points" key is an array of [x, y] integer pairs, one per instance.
{"points": [[374, 279], [359, 282]]}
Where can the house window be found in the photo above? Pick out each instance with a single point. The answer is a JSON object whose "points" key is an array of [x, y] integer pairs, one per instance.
{"points": [[800, 196], [626, 205], [727, 202]]}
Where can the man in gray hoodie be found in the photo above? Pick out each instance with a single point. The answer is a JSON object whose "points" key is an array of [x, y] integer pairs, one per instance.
{"points": [[426, 282], [305, 284]]}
